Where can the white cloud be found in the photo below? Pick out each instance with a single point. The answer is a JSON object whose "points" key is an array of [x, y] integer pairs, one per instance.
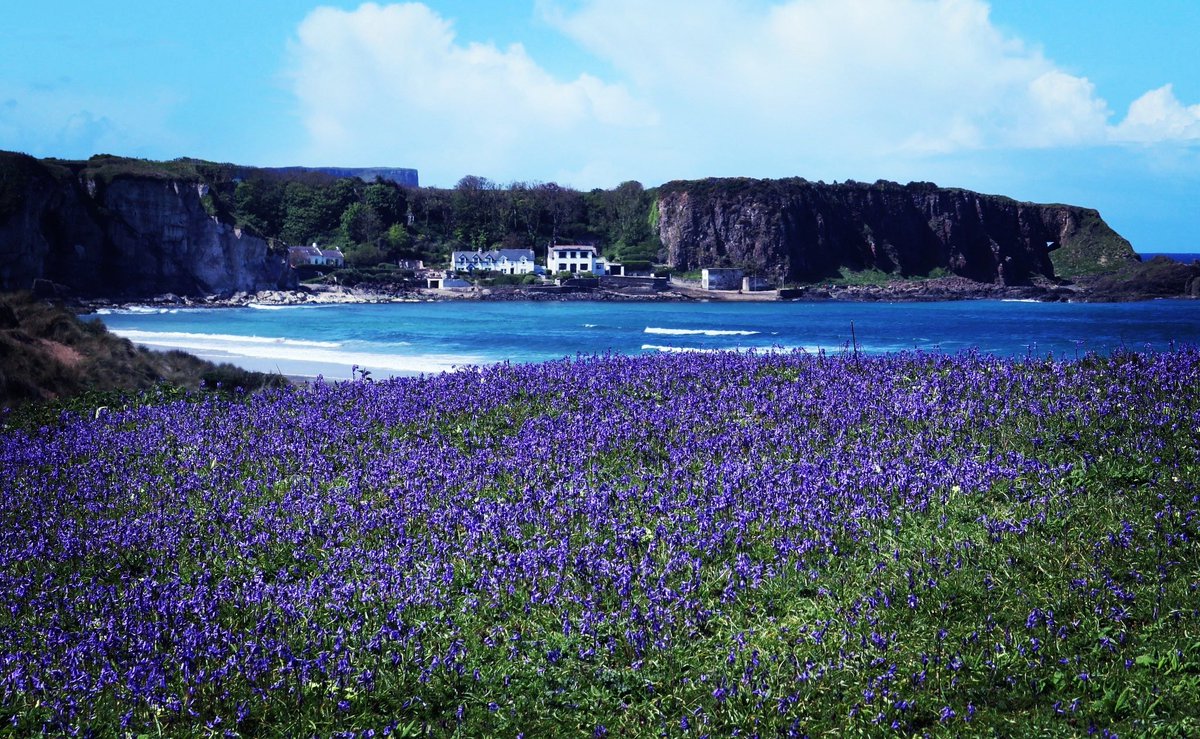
{"points": [[394, 82], [1159, 116], [882, 74], [1062, 110], [701, 87]]}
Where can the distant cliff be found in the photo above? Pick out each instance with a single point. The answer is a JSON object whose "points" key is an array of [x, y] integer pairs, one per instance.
{"points": [[127, 234], [405, 177], [795, 230]]}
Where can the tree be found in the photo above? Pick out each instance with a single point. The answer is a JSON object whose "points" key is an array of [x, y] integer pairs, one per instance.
{"points": [[258, 205], [526, 208], [310, 213], [387, 200], [364, 255], [360, 224], [478, 213], [631, 208], [399, 241], [562, 205]]}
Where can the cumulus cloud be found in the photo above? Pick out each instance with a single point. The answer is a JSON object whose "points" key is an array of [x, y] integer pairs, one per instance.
{"points": [[701, 87], [887, 75], [395, 81], [1159, 116]]}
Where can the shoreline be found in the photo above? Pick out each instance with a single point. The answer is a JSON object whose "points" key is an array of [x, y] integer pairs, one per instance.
{"points": [[945, 289], [1157, 278]]}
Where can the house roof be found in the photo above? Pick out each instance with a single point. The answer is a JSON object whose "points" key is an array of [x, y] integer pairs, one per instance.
{"points": [[577, 247], [495, 255], [516, 255], [305, 251], [336, 253]]}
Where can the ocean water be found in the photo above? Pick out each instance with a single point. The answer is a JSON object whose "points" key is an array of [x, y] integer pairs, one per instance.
{"points": [[415, 338]]}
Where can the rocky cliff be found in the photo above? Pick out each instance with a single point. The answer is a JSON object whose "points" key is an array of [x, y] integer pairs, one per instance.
{"points": [[125, 236], [795, 230]]}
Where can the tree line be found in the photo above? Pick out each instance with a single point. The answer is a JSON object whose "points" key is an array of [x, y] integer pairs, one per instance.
{"points": [[382, 221]]}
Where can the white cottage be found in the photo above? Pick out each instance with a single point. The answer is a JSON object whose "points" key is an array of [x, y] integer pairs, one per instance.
{"points": [[504, 261], [314, 256], [580, 258]]}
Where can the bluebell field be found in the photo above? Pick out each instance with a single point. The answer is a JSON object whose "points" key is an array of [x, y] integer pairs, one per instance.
{"points": [[780, 544]]}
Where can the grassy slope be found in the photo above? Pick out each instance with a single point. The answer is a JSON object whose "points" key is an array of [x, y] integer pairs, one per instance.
{"points": [[47, 354], [1093, 248]]}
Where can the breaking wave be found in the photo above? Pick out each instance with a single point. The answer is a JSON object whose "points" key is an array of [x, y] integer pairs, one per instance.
{"points": [[698, 332]]}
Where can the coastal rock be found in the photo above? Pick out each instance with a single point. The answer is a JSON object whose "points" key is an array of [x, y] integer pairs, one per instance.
{"points": [[795, 230], [1160, 277], [129, 237]]}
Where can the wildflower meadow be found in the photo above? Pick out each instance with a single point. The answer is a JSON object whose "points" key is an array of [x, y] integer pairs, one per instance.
{"points": [[754, 544]]}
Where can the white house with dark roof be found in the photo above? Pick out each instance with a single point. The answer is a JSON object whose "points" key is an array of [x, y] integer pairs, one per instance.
{"points": [[333, 257], [314, 256], [504, 261], [580, 258]]}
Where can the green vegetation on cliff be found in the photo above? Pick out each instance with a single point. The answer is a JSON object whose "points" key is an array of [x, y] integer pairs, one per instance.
{"points": [[1092, 248]]}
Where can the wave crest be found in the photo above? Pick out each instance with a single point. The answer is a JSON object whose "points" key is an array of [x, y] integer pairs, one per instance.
{"points": [[697, 331]]}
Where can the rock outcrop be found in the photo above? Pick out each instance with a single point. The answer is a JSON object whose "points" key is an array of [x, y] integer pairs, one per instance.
{"points": [[795, 230], [1160, 277], [128, 236]]}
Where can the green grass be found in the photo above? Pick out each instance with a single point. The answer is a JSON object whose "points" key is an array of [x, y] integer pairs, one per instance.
{"points": [[1091, 247], [877, 277]]}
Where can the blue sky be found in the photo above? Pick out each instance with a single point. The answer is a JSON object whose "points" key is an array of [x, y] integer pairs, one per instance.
{"points": [[1094, 103]]}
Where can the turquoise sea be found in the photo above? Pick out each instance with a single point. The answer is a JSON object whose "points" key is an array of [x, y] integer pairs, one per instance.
{"points": [[413, 338]]}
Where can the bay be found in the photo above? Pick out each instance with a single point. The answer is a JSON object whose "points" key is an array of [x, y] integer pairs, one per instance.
{"points": [[414, 338]]}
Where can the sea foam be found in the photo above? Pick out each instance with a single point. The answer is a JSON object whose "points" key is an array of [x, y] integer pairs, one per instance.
{"points": [[298, 356], [697, 332], [682, 349], [172, 338]]}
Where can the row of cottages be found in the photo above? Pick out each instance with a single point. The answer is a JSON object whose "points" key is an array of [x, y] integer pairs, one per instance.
{"points": [[580, 258], [504, 261], [314, 256]]}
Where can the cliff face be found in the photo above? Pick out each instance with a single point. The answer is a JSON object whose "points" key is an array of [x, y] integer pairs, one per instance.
{"points": [[128, 237], [798, 230]]}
